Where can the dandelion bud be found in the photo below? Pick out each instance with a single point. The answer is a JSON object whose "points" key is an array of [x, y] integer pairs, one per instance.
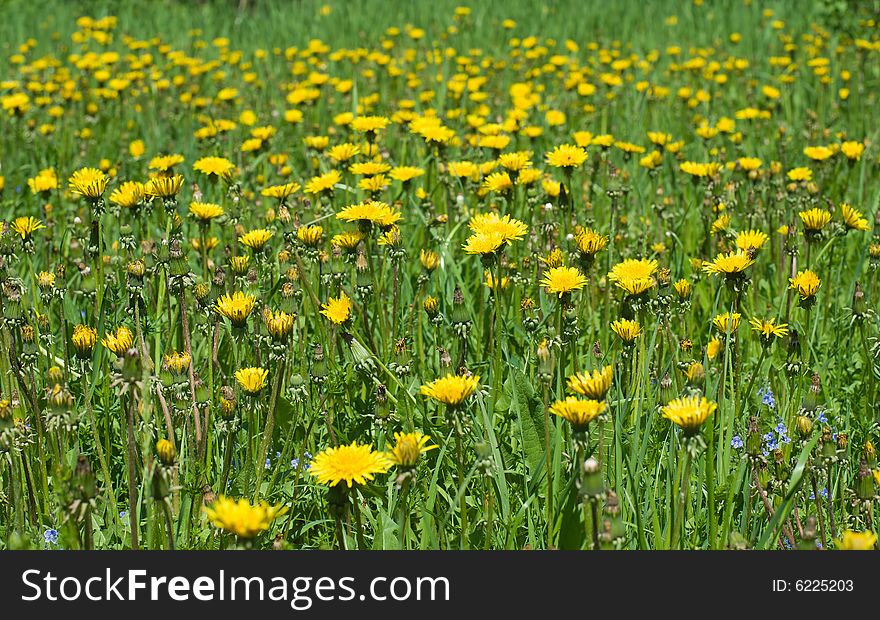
{"points": [[859, 306], [131, 366], [83, 469], [696, 374], [808, 540], [383, 410], [663, 277], [870, 454], [545, 370], [202, 290], [781, 466], [46, 280], [864, 482], [159, 484], [227, 407], [811, 400], [167, 453], [842, 441], [136, 268], [431, 306], [591, 485], [683, 289], [429, 259], [666, 393], [753, 439], [59, 399], [459, 310], [319, 366], [827, 446], [84, 339], [55, 375], [804, 426], [27, 333]]}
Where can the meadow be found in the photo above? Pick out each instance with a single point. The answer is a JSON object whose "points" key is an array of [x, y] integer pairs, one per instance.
{"points": [[319, 275]]}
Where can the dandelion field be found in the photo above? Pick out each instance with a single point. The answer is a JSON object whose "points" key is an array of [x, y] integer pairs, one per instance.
{"points": [[310, 275]]}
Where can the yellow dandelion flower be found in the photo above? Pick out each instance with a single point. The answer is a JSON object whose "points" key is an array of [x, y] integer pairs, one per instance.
{"points": [[727, 323], [164, 187], [451, 390], [800, 174], [89, 183], [768, 329], [84, 339], [593, 385], [806, 283], [204, 212], [241, 518], [856, 541], [498, 182], [310, 235], [322, 183], [590, 242], [119, 341], [256, 239], [683, 288], [25, 227], [853, 218], [578, 412], [279, 324], [729, 265], [408, 447], [751, 240], [352, 464], [818, 153], [815, 219], [236, 307], [280, 192], [129, 194], [371, 212], [852, 150], [337, 309], [635, 276], [563, 280], [567, 156], [689, 413], [164, 163], [627, 330], [251, 380], [484, 243], [218, 167]]}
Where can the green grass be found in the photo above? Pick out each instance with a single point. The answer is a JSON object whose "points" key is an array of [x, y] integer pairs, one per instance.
{"points": [[486, 486]]}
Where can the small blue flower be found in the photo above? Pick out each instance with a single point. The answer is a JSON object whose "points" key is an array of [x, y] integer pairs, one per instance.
{"points": [[268, 462], [821, 417], [51, 537], [768, 399], [294, 463], [736, 443], [823, 493]]}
